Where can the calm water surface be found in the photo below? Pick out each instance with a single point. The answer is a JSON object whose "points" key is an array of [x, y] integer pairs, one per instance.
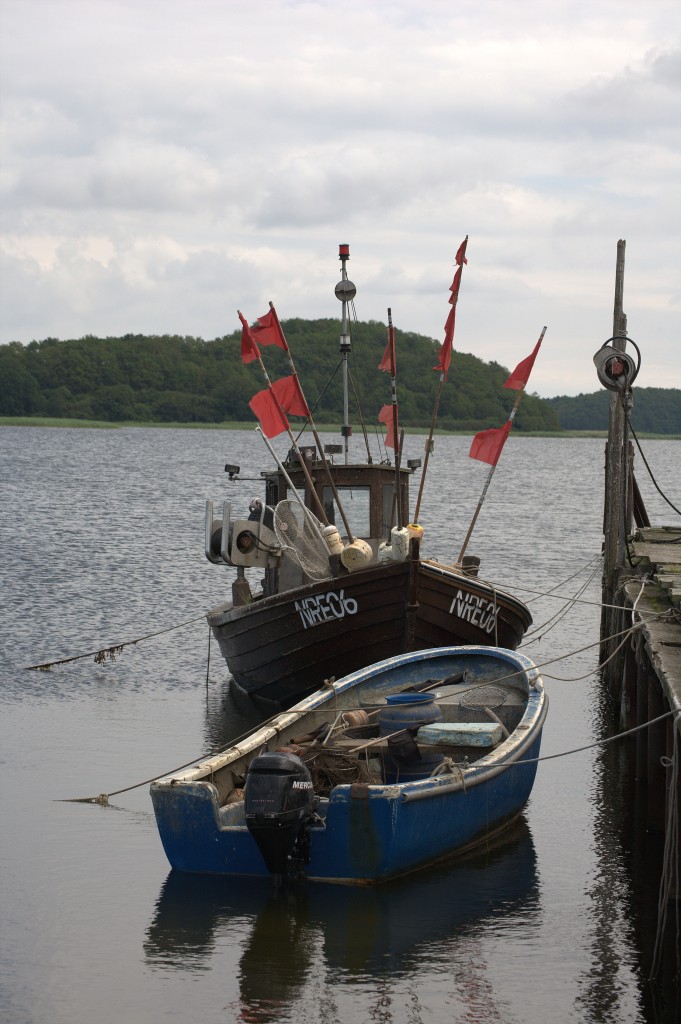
{"points": [[102, 542]]}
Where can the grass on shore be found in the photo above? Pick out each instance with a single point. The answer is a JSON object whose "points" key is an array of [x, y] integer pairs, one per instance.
{"points": [[46, 421]]}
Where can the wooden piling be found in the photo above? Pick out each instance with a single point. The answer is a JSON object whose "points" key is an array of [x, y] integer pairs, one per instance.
{"points": [[616, 483]]}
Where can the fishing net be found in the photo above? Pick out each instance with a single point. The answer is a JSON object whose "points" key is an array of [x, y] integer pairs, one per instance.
{"points": [[329, 767], [299, 534], [483, 697]]}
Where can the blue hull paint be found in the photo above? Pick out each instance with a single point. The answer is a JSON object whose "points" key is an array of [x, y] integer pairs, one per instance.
{"points": [[370, 832]]}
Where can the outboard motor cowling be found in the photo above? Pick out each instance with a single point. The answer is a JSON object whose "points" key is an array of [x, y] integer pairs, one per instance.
{"points": [[279, 802]]}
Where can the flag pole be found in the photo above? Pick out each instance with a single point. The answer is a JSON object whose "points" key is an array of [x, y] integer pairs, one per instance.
{"points": [[481, 502], [460, 260], [396, 432], [313, 428], [492, 468], [284, 417], [428, 449], [287, 478]]}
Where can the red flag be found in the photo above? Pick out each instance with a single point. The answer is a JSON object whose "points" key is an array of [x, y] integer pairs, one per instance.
{"points": [[387, 416], [268, 413], [267, 331], [521, 374], [249, 349], [445, 355], [290, 395], [271, 405], [388, 361], [487, 445], [454, 286]]}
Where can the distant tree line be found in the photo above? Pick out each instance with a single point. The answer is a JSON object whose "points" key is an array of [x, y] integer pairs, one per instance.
{"points": [[172, 379], [655, 410]]}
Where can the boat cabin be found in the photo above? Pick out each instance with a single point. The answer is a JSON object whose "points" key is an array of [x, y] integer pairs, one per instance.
{"points": [[367, 498], [366, 492]]}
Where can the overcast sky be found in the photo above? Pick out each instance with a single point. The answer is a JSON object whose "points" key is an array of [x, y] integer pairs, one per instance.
{"points": [[167, 161]]}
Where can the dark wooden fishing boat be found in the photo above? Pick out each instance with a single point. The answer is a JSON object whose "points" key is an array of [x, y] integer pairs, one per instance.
{"points": [[318, 614]]}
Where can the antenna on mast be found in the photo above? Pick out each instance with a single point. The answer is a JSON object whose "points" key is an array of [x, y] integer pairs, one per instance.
{"points": [[345, 292]]}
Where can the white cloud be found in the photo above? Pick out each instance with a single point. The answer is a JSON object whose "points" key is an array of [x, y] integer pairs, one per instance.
{"points": [[166, 162]]}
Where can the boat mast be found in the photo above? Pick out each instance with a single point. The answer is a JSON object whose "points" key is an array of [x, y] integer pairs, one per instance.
{"points": [[345, 291]]}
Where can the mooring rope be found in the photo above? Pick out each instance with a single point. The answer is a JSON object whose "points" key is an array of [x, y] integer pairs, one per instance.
{"points": [[669, 880], [540, 632], [578, 679], [650, 472], [110, 652], [562, 597], [668, 613], [103, 798], [579, 650], [635, 626], [596, 743], [598, 559]]}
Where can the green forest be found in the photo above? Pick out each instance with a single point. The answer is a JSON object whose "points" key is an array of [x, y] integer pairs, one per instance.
{"points": [[171, 379], [655, 410], [187, 380]]}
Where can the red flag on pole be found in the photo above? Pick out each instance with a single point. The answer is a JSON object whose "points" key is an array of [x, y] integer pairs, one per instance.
{"points": [[266, 410], [487, 445], [267, 331], [455, 285], [290, 395], [387, 416], [249, 349], [387, 363], [446, 349], [521, 374], [271, 405], [445, 356]]}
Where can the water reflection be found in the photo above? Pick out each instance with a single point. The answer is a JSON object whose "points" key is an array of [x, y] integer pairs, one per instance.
{"points": [[354, 934], [228, 713], [627, 877]]}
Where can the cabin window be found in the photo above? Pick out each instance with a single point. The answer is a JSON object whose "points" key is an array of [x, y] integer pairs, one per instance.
{"points": [[389, 513], [356, 502]]}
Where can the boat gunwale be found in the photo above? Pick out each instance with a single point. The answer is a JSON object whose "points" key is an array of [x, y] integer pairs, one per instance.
{"points": [[478, 584], [220, 614], [500, 758], [227, 611]]}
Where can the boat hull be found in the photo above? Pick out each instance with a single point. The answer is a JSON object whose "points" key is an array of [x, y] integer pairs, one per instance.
{"points": [[282, 648], [370, 833]]}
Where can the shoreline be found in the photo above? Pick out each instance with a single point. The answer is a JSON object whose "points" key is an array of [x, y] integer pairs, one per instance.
{"points": [[44, 421]]}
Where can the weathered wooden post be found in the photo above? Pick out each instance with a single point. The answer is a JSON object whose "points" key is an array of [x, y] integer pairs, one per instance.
{"points": [[615, 479]]}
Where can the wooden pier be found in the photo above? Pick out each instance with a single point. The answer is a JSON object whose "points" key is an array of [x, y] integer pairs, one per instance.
{"points": [[650, 681], [641, 647]]}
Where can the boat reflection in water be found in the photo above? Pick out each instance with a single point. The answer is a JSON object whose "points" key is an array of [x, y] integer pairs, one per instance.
{"points": [[398, 928]]}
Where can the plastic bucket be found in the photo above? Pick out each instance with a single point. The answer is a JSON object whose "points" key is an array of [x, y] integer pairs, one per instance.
{"points": [[409, 711]]}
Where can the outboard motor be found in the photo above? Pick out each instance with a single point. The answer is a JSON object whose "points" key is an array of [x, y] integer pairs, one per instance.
{"points": [[279, 802]]}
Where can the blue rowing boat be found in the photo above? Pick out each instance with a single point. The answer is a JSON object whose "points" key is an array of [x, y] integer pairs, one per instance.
{"points": [[396, 766]]}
